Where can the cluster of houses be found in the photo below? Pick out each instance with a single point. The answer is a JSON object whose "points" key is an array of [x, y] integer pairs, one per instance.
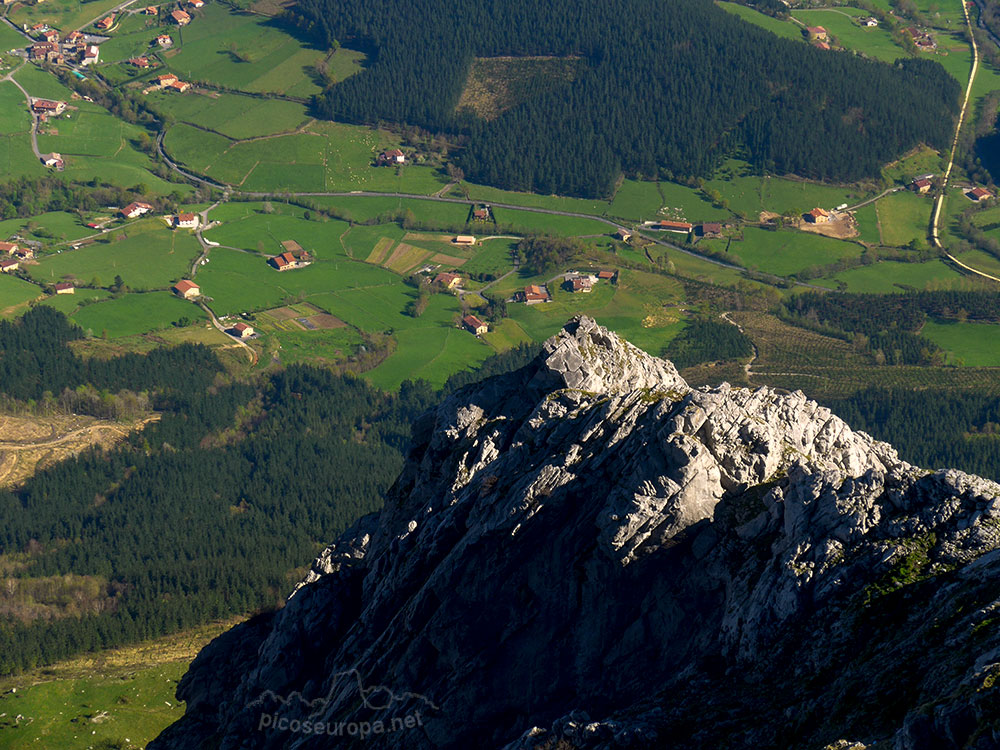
{"points": [[293, 257], [922, 39], [75, 47], [11, 255]]}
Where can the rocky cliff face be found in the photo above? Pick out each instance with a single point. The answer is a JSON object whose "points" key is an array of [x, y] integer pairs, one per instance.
{"points": [[590, 553]]}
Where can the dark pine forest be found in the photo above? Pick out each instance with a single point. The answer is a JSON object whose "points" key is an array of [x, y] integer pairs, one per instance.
{"points": [[669, 90]]}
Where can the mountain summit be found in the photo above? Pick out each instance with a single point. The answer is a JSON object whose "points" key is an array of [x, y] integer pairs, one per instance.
{"points": [[588, 552]]}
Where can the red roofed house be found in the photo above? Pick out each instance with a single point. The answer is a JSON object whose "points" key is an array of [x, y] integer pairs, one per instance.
{"points": [[709, 229], [151, 10], [7, 265], [579, 284], [448, 280], [816, 33], [922, 185], [164, 40], [186, 289], [64, 287], [392, 156], [196, 4], [72, 37], [90, 54], [180, 17], [139, 62], [186, 221], [606, 275], [51, 35], [532, 295], [47, 107], [8, 248], [243, 330], [165, 80], [481, 214], [24, 253], [978, 194], [135, 209], [817, 216], [106, 23], [181, 86], [285, 262], [475, 325], [822, 45]]}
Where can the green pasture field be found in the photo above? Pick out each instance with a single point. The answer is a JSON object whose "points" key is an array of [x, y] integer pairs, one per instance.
{"points": [[969, 344], [506, 334], [429, 353], [64, 15], [246, 52], [239, 282], [135, 313], [68, 304], [529, 221], [38, 83], [15, 293], [784, 29], [748, 194], [622, 308], [875, 42], [14, 116], [891, 276], [784, 252], [485, 194], [344, 63], [10, 39], [85, 133], [17, 159], [265, 233], [922, 160], [361, 240], [867, 219], [990, 216], [145, 260], [904, 217], [492, 257], [981, 261], [327, 157], [942, 15], [140, 705], [644, 201], [47, 227], [319, 347], [195, 148], [132, 38], [232, 115]]}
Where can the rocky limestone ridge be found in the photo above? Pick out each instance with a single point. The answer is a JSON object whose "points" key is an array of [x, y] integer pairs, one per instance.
{"points": [[589, 553]]}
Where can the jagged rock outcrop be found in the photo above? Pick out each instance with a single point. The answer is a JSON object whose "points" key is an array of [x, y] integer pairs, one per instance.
{"points": [[590, 553]]}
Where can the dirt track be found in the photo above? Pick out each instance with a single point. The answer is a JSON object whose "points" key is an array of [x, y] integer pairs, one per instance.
{"points": [[28, 444]]}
